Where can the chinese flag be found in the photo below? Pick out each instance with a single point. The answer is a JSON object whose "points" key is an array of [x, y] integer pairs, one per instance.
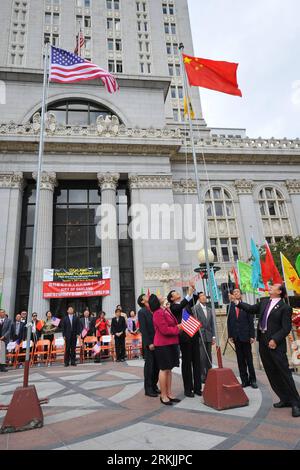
{"points": [[213, 74], [269, 269]]}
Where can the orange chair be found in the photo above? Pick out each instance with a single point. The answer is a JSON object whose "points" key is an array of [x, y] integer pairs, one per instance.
{"points": [[11, 355], [57, 353], [108, 346], [131, 348], [40, 355], [21, 353], [88, 344], [79, 349]]}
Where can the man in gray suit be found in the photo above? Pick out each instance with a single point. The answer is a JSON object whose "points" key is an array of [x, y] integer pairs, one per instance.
{"points": [[207, 333], [5, 329]]}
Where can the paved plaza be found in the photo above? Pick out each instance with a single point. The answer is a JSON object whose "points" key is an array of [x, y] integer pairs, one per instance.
{"points": [[103, 406]]}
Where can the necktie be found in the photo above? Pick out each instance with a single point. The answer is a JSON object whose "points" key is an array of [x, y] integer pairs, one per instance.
{"points": [[87, 323], [263, 321], [237, 311], [17, 328]]}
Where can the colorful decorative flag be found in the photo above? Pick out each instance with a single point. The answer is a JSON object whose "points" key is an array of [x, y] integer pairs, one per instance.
{"points": [[291, 277], [245, 276], [66, 67], [55, 321], [190, 324], [79, 43], [297, 265], [256, 278], [96, 349], [84, 332], [213, 74], [236, 278], [269, 270], [142, 291], [158, 292], [148, 292], [215, 292], [40, 325], [185, 108]]}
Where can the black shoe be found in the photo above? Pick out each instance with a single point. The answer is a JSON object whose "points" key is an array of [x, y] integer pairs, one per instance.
{"points": [[198, 393], [156, 390], [66, 365], [189, 394], [295, 411], [97, 361], [245, 384], [174, 400], [168, 403], [254, 384], [3, 369], [73, 364], [282, 404], [118, 360], [151, 394], [123, 360]]}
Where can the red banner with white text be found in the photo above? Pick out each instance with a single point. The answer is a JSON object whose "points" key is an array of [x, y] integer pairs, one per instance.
{"points": [[61, 290]]}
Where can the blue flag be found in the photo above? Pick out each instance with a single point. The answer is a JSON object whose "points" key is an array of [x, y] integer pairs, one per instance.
{"points": [[215, 289], [256, 277]]}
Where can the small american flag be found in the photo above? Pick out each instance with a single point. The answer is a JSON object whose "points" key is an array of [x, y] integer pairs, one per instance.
{"points": [[55, 321], [96, 349], [190, 324], [79, 43], [67, 67]]}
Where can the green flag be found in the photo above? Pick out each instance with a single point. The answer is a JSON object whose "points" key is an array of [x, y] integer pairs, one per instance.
{"points": [[245, 275], [142, 291], [298, 264]]}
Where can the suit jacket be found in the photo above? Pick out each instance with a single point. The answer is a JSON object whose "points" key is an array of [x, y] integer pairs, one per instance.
{"points": [[118, 326], [145, 318], [208, 327], [279, 321], [92, 329], [177, 310], [166, 329], [69, 331], [22, 332], [6, 330], [241, 328]]}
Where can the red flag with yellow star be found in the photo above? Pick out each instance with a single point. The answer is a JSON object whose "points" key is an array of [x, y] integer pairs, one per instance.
{"points": [[213, 74]]}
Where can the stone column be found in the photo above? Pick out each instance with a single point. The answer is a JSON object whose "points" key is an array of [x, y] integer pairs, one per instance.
{"points": [[11, 193], [293, 187], [110, 244], [250, 225], [44, 240]]}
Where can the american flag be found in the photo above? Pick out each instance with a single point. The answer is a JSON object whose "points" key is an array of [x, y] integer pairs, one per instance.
{"points": [[190, 324], [67, 67], [79, 42], [55, 321]]}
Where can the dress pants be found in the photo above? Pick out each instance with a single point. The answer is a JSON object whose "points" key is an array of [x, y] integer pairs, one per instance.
{"points": [[120, 347], [70, 351], [2, 353], [276, 367], [190, 366], [245, 360], [151, 371], [205, 358]]}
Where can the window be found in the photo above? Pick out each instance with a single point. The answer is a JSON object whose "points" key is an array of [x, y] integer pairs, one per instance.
{"points": [[109, 4], [110, 44], [165, 9], [87, 22], [180, 92], [140, 46], [55, 40], [169, 48], [173, 92], [47, 18], [117, 24], [173, 28], [87, 44], [147, 46], [142, 67], [178, 71], [149, 68], [171, 70], [274, 214], [111, 66], [47, 37], [138, 6], [116, 5], [56, 19], [175, 49], [222, 221], [144, 7], [171, 9], [119, 66], [139, 25], [175, 115], [118, 45], [145, 26], [109, 23], [167, 28], [87, 3], [14, 36], [181, 115]]}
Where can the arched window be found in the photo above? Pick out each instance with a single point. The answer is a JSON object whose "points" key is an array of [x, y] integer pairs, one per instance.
{"points": [[274, 214], [76, 112], [222, 226]]}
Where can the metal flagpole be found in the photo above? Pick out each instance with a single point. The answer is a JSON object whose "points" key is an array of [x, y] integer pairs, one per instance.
{"points": [[36, 218], [200, 202]]}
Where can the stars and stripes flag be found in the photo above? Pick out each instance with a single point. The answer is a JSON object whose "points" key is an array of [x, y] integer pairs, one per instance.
{"points": [[55, 321], [66, 67], [79, 43], [190, 324]]}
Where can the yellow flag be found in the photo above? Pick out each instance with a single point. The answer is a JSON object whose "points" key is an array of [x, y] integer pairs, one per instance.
{"points": [[158, 292], [291, 277], [185, 107]]}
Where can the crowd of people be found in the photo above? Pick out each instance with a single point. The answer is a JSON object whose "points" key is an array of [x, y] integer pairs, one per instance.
{"points": [[159, 321]]}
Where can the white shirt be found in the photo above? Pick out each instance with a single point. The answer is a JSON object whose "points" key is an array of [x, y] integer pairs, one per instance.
{"points": [[71, 319], [203, 308], [272, 305]]}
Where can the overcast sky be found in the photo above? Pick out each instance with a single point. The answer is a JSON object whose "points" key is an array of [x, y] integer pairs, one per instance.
{"points": [[263, 36]]}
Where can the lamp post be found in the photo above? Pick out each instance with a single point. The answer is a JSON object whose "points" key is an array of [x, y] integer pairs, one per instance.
{"points": [[165, 278], [203, 267]]}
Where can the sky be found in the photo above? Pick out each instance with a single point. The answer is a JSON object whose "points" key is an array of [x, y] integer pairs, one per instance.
{"points": [[263, 36]]}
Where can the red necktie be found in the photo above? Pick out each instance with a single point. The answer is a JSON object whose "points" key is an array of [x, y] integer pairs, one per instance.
{"points": [[237, 311]]}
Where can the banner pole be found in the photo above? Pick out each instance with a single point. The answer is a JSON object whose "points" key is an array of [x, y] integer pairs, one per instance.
{"points": [[200, 202], [36, 218]]}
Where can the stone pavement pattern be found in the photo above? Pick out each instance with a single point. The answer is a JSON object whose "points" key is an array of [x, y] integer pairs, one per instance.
{"points": [[103, 406]]}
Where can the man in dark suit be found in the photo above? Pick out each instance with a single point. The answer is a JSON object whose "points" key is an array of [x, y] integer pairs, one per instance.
{"points": [[71, 330], [118, 329], [273, 327], [151, 370], [203, 313], [190, 348], [5, 332], [87, 322], [241, 332], [18, 329]]}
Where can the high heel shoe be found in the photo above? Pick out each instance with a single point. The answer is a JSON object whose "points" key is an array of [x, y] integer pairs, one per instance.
{"points": [[174, 400], [168, 403]]}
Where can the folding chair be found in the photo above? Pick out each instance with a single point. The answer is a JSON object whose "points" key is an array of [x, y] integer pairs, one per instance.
{"points": [[88, 344], [57, 353], [21, 353], [107, 345], [79, 350], [39, 354], [131, 348], [11, 353]]}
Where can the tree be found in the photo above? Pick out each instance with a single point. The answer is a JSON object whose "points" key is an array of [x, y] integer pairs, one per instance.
{"points": [[289, 246]]}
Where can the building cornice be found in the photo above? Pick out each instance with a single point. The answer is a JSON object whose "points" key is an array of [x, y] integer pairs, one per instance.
{"points": [[108, 180], [48, 180], [244, 186], [150, 181], [293, 186]]}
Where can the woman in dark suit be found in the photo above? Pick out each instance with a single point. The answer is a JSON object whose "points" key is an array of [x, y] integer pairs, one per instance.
{"points": [[118, 329], [166, 340]]}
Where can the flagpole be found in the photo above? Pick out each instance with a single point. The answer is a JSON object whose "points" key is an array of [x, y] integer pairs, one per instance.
{"points": [[209, 280], [36, 218]]}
